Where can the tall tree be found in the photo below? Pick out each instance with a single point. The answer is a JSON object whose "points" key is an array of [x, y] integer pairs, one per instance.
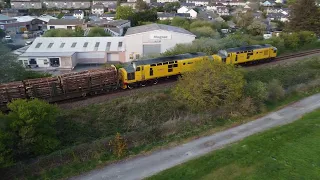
{"points": [[257, 28], [305, 15], [141, 5], [245, 19], [172, 6], [124, 12]]}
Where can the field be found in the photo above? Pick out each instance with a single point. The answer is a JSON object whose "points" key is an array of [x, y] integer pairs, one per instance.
{"points": [[149, 121], [287, 152]]}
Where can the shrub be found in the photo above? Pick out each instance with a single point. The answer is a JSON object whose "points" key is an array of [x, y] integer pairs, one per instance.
{"points": [[119, 145], [205, 32], [209, 86], [257, 90], [275, 91]]}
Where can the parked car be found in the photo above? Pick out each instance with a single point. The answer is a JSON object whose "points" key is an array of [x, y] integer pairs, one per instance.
{"points": [[7, 38], [28, 43]]}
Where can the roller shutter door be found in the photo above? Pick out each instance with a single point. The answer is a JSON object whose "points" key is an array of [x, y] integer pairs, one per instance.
{"points": [[151, 49], [91, 58], [112, 57]]}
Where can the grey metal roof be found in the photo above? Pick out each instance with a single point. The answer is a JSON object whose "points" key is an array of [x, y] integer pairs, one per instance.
{"points": [[4, 18], [66, 22], [46, 54], [117, 22], [154, 27]]}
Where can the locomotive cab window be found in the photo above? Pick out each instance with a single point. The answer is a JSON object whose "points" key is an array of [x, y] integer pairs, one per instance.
{"points": [[131, 76], [138, 69], [175, 65], [159, 64]]}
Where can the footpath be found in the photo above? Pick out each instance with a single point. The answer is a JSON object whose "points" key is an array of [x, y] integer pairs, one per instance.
{"points": [[144, 166]]}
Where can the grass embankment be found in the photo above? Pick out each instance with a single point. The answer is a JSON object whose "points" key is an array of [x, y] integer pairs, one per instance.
{"points": [[149, 121], [287, 152]]}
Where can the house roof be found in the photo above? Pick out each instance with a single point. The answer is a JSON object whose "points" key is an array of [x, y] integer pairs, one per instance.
{"points": [[154, 27], [5, 18], [69, 0], [75, 44], [46, 18], [187, 4], [24, 18], [77, 12], [117, 22], [66, 21], [98, 5], [165, 14]]}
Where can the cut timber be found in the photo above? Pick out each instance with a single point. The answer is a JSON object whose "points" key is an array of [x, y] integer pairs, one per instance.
{"points": [[43, 87], [11, 91]]}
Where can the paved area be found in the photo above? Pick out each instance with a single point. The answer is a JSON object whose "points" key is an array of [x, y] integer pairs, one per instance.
{"points": [[144, 166]]}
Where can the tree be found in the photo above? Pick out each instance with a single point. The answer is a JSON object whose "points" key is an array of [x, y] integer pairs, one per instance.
{"points": [[143, 16], [209, 86], [172, 6], [304, 16], [59, 33], [180, 22], [97, 32], [205, 31], [31, 127], [124, 12], [141, 5], [2, 34], [257, 90], [245, 19], [79, 32], [256, 28], [118, 3]]}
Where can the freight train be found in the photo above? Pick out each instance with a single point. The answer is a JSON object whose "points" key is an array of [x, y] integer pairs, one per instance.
{"points": [[137, 73]]}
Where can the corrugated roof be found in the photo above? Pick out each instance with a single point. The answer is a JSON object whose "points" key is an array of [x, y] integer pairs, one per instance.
{"points": [[41, 54], [74, 44], [66, 21], [154, 27], [24, 18], [4, 18]]}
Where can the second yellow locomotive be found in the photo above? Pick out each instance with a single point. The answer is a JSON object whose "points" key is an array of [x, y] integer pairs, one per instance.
{"points": [[150, 70]]}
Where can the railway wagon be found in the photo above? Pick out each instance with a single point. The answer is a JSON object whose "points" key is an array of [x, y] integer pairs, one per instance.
{"points": [[248, 54], [67, 86], [143, 71]]}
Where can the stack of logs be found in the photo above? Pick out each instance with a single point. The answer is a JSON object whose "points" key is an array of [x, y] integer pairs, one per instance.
{"points": [[10, 91], [64, 86], [43, 88]]}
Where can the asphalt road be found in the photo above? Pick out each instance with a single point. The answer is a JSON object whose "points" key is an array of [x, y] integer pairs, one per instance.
{"points": [[144, 166]]}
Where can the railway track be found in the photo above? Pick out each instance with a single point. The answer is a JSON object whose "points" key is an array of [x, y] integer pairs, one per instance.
{"points": [[80, 102]]}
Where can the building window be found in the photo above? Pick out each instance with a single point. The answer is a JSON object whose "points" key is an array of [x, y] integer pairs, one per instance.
{"points": [[38, 45], [97, 44], [54, 62], [108, 46], [45, 61], [120, 44], [51, 27], [85, 44], [73, 44], [50, 45], [62, 45], [69, 27]]}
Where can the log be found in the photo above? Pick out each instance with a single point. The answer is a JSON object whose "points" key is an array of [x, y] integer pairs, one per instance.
{"points": [[11, 91]]}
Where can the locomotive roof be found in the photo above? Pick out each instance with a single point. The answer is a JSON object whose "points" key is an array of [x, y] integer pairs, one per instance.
{"points": [[248, 48], [169, 58]]}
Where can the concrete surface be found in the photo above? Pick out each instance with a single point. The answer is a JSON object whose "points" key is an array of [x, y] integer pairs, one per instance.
{"points": [[144, 166]]}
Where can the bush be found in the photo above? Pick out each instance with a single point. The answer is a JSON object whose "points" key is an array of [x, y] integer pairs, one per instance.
{"points": [[205, 31], [275, 91], [257, 90], [31, 127], [97, 32], [209, 86]]}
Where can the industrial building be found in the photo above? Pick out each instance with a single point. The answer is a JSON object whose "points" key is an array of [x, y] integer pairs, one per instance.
{"points": [[67, 52], [154, 39]]}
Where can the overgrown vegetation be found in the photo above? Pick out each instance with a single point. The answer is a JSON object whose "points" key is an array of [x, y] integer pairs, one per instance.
{"points": [[287, 152], [12, 70], [285, 43], [78, 32], [97, 32], [148, 120]]}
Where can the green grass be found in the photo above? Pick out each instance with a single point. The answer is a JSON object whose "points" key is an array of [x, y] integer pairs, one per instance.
{"points": [[287, 152]]}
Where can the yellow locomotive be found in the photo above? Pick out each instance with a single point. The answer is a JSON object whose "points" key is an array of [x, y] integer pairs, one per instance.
{"points": [[143, 71]]}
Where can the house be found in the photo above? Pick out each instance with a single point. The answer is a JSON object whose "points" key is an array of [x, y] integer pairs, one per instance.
{"points": [[68, 16], [223, 11], [108, 17], [30, 23], [188, 5], [213, 6], [105, 3], [278, 17], [185, 10], [133, 1], [279, 1], [133, 5], [79, 14], [66, 23], [24, 5], [97, 8], [67, 52], [44, 20], [235, 3], [183, 15], [116, 28], [112, 7], [166, 1], [154, 39], [165, 16], [63, 4], [268, 3], [10, 24], [10, 12], [199, 2]]}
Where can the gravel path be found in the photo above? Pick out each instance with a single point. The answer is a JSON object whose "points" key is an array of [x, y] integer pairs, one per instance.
{"points": [[144, 166]]}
